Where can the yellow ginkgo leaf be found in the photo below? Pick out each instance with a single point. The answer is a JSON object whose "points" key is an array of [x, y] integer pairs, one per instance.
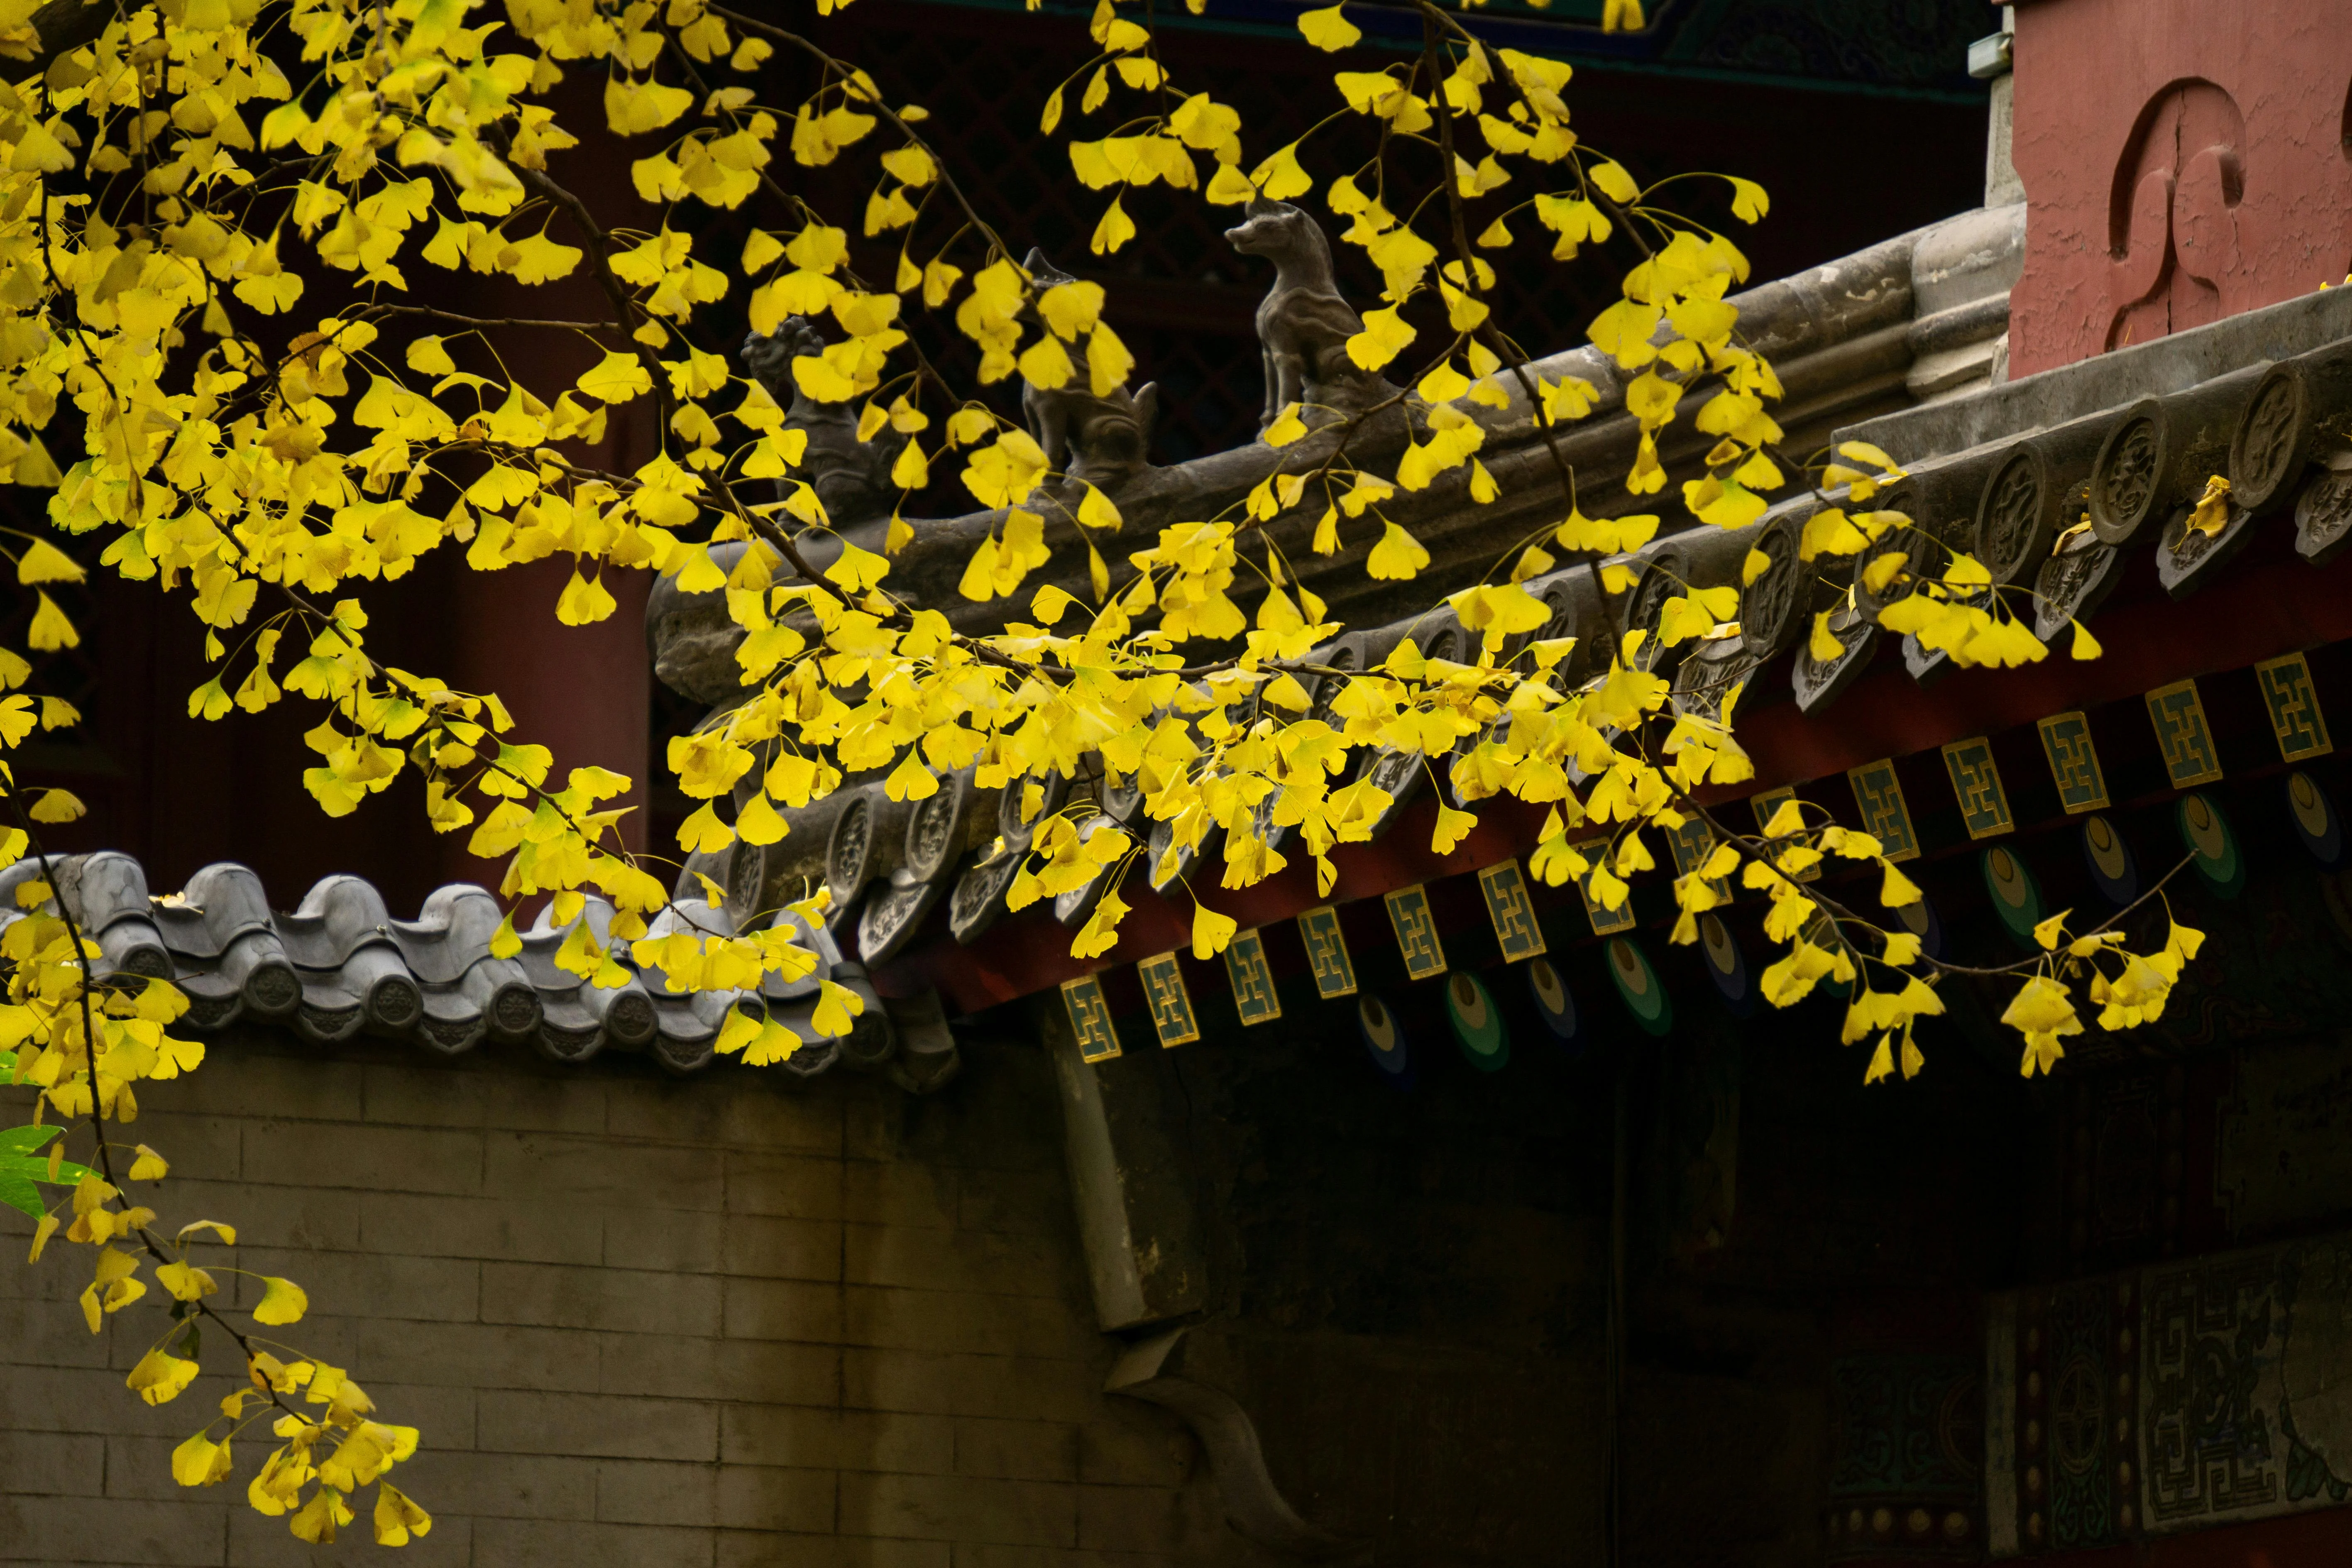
{"points": [[1397, 556], [1612, 181], [616, 378], [1824, 648], [396, 1518], [1453, 827], [51, 629], [1386, 334], [1327, 30], [200, 1461], [1280, 177], [58, 805], [1211, 931], [1114, 230], [45, 563], [160, 1376], [282, 1301]]}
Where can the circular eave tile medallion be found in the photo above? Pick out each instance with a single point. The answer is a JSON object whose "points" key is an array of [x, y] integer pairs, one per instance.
{"points": [[1644, 995], [2212, 846], [1384, 1036], [2016, 896], [2108, 856], [1727, 965], [2314, 818], [1554, 1003], [1477, 1022]]}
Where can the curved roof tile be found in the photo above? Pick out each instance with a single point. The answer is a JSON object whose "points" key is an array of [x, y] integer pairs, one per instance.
{"points": [[338, 965]]}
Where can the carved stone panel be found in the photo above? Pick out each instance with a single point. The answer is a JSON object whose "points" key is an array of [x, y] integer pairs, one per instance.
{"points": [[1817, 681], [2188, 556], [979, 898], [2072, 583], [2322, 513]]}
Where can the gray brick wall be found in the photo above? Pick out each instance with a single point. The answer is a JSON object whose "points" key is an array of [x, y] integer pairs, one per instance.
{"points": [[717, 1322]]}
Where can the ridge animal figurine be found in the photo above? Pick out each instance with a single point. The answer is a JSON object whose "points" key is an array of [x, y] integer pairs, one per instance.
{"points": [[1102, 440], [852, 478], [1304, 323]]}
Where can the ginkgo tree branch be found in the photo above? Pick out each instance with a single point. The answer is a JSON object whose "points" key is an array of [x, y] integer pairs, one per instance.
{"points": [[598, 246], [1538, 413], [103, 1152], [899, 122], [387, 310]]}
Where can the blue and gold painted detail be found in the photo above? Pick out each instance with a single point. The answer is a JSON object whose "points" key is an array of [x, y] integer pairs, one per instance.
{"points": [[1327, 952], [1383, 1038], [1976, 784], [2016, 895], [1604, 921], [1173, 1019], [1516, 934], [2108, 854], [1477, 1022], [1255, 998], [1727, 965], [2183, 735], [2314, 818], [1090, 1018], [1555, 1004], [2212, 846], [1691, 844], [1417, 932], [1638, 985], [2294, 704], [1885, 815], [2075, 763]]}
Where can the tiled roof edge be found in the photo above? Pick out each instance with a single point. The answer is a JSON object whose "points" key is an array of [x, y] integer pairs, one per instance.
{"points": [[338, 965]]}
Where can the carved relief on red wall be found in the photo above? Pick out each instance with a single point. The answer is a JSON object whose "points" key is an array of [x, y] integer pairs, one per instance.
{"points": [[2176, 170], [2173, 220]]}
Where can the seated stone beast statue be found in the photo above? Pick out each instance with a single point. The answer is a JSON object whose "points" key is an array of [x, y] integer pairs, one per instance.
{"points": [[852, 478], [1102, 440], [1304, 323]]}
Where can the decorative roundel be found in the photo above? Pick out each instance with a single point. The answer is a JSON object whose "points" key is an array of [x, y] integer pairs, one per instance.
{"points": [[1644, 995], [1918, 917], [849, 853], [2213, 849], [2267, 448], [2013, 517], [1477, 1023], [1052, 790], [1725, 965], [2314, 818], [1772, 604], [1384, 1039], [2016, 896], [2114, 871], [2124, 481], [1554, 1005]]}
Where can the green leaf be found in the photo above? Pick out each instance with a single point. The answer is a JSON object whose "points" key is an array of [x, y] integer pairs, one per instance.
{"points": [[20, 1167]]}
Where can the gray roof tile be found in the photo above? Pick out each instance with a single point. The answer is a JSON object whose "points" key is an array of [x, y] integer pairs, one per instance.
{"points": [[338, 965]]}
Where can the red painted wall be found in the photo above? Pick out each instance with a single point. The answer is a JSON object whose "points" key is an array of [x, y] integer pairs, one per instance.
{"points": [[2181, 163]]}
